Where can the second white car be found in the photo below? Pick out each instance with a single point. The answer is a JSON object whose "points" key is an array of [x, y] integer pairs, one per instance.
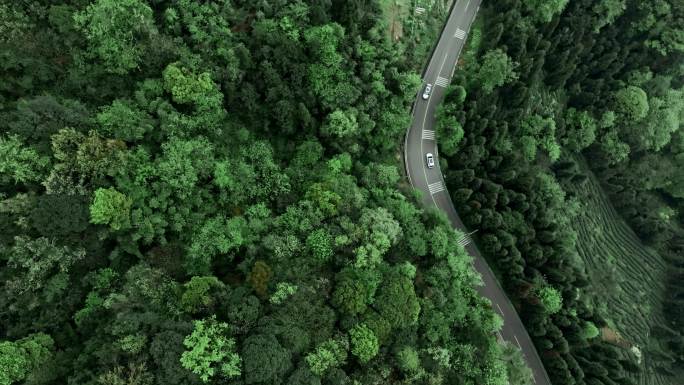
{"points": [[430, 160]]}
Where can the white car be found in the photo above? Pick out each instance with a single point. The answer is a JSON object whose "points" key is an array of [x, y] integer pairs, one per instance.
{"points": [[430, 160], [426, 92]]}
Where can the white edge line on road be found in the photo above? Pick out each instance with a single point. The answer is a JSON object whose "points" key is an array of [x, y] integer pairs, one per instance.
{"points": [[466, 7], [517, 342], [501, 311]]}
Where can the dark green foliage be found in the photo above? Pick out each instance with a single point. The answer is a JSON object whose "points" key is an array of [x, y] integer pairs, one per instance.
{"points": [[396, 300], [265, 360], [355, 290], [60, 215], [597, 78]]}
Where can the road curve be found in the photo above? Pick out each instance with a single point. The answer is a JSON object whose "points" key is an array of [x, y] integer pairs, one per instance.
{"points": [[421, 139]]}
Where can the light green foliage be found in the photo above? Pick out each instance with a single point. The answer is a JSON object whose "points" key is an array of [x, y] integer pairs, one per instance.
{"points": [[323, 41], [460, 357], [82, 161], [441, 356], [18, 359], [122, 120], [323, 198], [14, 23], [196, 293], [607, 11], [327, 77], [112, 208], [496, 69], [396, 300], [113, 29], [407, 269], [607, 120], [13, 364], [364, 343], [133, 374], [631, 104], [283, 291], [184, 164], [189, 88], [330, 354], [616, 149], [217, 235], [210, 351], [380, 232], [340, 163], [440, 242], [207, 26], [662, 20], [378, 175], [44, 265], [545, 10], [550, 298], [518, 373], [663, 119], [408, 360], [580, 130], [538, 132], [133, 343], [495, 371], [93, 303], [552, 194], [589, 331], [257, 176], [19, 163], [320, 244], [409, 84], [340, 124], [150, 288], [355, 289], [450, 134]]}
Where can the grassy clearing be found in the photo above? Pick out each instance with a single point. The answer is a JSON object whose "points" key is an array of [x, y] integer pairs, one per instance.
{"points": [[627, 277], [395, 12]]}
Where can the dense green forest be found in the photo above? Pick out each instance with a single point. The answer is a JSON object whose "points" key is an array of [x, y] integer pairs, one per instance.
{"points": [[208, 192], [198, 192], [545, 89]]}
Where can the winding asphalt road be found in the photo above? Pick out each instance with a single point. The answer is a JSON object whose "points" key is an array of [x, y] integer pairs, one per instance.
{"points": [[421, 139]]}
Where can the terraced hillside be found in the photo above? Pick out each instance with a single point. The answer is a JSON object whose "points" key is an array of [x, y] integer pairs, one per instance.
{"points": [[627, 275]]}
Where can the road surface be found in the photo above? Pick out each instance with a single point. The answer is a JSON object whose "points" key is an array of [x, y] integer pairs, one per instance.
{"points": [[421, 139]]}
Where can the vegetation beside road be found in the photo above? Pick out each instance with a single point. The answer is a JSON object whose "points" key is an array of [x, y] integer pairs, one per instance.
{"points": [[551, 82]]}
